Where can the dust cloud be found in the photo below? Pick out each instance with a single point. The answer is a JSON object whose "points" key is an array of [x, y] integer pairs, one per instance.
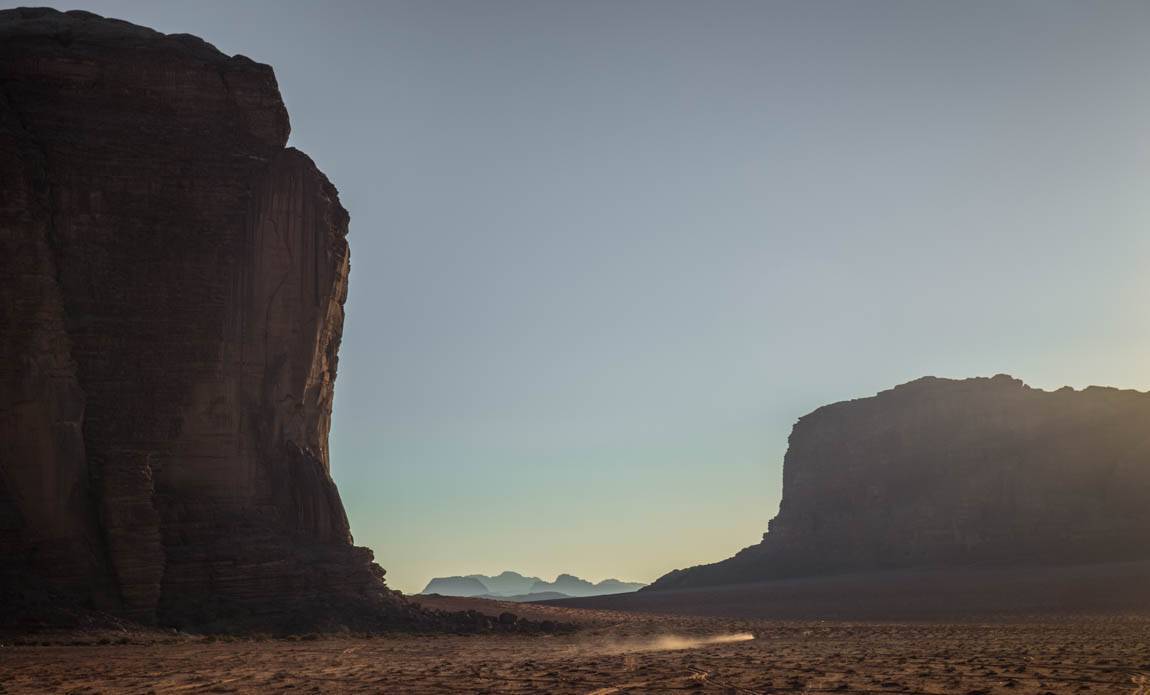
{"points": [[662, 643]]}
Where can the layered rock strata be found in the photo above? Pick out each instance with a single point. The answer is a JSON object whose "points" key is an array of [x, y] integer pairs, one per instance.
{"points": [[172, 281], [941, 472]]}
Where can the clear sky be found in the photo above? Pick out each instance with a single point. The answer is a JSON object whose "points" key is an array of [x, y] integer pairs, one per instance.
{"points": [[604, 253]]}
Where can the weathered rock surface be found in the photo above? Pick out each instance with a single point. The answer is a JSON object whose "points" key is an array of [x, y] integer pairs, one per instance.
{"points": [[941, 472], [172, 280]]}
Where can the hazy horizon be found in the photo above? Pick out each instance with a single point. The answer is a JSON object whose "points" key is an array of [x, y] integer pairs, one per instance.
{"points": [[604, 256]]}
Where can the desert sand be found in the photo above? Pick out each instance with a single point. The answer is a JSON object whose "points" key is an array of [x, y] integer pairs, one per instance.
{"points": [[612, 652]]}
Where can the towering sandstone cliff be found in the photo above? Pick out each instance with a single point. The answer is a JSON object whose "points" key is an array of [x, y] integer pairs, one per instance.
{"points": [[172, 280], [940, 472]]}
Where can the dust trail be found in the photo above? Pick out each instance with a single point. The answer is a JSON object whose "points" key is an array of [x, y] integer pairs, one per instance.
{"points": [[663, 643], [669, 642]]}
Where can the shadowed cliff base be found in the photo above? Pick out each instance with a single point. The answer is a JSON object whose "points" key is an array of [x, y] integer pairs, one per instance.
{"points": [[955, 473], [936, 594]]}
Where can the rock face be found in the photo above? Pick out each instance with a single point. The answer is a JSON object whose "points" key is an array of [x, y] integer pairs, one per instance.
{"points": [[940, 472], [172, 280]]}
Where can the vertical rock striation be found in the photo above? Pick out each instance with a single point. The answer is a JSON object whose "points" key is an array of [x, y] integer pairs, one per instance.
{"points": [[172, 280], [942, 472]]}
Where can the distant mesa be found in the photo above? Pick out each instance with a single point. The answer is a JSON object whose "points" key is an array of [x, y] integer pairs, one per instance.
{"points": [[456, 586], [506, 583], [952, 473], [512, 586], [614, 586], [570, 585]]}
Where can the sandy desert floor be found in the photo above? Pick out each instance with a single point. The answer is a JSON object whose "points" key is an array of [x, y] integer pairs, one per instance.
{"points": [[617, 653]]}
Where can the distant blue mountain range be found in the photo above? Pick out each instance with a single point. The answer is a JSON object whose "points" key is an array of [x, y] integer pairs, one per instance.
{"points": [[512, 586]]}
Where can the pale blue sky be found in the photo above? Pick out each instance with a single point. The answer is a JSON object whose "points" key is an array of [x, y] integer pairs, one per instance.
{"points": [[605, 253]]}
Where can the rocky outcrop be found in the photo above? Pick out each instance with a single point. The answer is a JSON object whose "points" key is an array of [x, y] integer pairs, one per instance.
{"points": [[172, 281], [942, 472]]}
